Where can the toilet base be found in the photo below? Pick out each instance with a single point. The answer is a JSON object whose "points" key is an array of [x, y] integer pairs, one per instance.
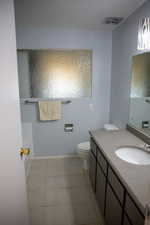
{"points": [[85, 164], [83, 150]]}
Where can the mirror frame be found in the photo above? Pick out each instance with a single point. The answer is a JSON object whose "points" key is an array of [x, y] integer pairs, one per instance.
{"points": [[137, 132], [130, 127]]}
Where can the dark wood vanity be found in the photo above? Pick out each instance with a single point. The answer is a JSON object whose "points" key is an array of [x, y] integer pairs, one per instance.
{"points": [[115, 202]]}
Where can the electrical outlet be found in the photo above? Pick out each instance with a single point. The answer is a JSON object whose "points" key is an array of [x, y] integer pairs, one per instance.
{"points": [[145, 124]]}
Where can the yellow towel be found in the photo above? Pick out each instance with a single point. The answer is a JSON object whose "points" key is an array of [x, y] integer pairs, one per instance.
{"points": [[50, 110]]}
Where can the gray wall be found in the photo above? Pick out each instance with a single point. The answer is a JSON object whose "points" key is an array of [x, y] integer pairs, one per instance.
{"points": [[49, 137], [124, 46]]}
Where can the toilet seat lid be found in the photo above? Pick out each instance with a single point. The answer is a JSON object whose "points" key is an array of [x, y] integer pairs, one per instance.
{"points": [[85, 146]]}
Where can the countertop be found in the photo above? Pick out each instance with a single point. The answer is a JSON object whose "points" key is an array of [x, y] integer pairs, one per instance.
{"points": [[136, 178]]}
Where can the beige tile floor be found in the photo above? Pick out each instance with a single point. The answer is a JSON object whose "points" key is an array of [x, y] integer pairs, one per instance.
{"points": [[59, 193]]}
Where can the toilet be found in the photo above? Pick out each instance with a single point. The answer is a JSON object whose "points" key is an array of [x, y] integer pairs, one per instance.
{"points": [[83, 150]]}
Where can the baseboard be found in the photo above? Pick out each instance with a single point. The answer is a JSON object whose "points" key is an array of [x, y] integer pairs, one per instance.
{"points": [[55, 157]]}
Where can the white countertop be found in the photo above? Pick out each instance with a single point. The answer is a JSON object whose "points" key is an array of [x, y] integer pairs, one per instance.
{"points": [[136, 178]]}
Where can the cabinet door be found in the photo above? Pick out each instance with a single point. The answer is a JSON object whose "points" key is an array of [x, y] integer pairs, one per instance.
{"points": [[92, 170], [116, 185], [93, 147], [113, 212], [100, 189], [102, 161], [134, 214], [126, 221]]}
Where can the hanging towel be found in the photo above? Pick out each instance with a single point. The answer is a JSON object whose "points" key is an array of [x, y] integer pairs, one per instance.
{"points": [[147, 215], [50, 110]]}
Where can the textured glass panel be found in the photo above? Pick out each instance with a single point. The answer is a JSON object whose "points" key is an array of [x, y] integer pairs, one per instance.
{"points": [[24, 75], [140, 82], [60, 73], [144, 34]]}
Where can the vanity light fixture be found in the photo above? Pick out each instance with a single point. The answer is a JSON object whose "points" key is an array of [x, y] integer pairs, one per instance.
{"points": [[144, 34]]}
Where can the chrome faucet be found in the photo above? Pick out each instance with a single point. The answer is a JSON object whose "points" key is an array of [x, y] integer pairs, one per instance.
{"points": [[147, 147]]}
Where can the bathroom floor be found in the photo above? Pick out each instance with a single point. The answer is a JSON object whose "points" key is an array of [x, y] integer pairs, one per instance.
{"points": [[59, 193]]}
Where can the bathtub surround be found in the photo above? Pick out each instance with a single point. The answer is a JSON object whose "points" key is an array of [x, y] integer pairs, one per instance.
{"points": [[85, 113], [124, 42]]}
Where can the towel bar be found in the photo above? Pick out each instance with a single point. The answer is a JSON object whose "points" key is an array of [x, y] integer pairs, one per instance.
{"points": [[35, 101]]}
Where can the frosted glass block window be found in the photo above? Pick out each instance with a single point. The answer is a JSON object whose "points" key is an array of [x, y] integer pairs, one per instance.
{"points": [[144, 34], [58, 73]]}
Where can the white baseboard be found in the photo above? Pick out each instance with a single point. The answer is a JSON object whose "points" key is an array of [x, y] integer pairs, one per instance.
{"points": [[55, 157]]}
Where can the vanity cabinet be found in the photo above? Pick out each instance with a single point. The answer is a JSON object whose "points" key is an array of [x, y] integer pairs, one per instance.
{"points": [[92, 169], [102, 162], [114, 200], [113, 213], [116, 185], [100, 189], [126, 221], [133, 212], [93, 147]]}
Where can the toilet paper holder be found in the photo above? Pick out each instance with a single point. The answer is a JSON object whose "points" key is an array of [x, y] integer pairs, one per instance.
{"points": [[68, 127]]}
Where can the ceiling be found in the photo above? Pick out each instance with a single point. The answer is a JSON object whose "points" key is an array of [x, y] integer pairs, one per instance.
{"points": [[79, 14]]}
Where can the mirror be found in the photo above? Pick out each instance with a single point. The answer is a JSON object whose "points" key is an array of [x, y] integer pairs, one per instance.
{"points": [[139, 115], [55, 73]]}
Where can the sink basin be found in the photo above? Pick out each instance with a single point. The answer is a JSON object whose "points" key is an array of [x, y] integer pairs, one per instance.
{"points": [[133, 155]]}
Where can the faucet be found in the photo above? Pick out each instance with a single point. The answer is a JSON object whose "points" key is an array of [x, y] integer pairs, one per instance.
{"points": [[147, 147]]}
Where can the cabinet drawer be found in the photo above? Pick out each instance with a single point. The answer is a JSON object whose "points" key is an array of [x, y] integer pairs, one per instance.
{"points": [[93, 147], [133, 212], [116, 185], [102, 162]]}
